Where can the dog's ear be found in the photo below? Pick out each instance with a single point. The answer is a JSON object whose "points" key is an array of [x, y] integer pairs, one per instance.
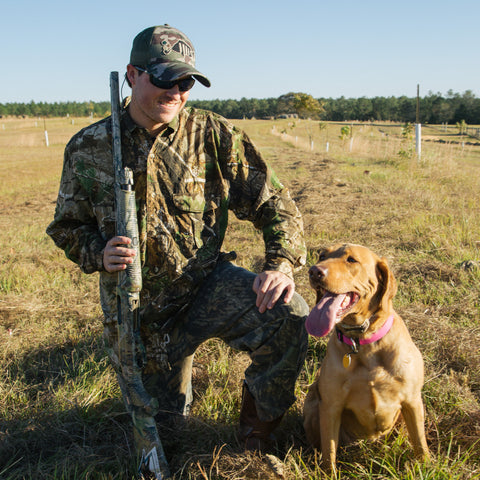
{"points": [[387, 285]]}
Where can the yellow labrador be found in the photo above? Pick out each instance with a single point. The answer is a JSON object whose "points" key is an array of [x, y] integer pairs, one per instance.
{"points": [[372, 370]]}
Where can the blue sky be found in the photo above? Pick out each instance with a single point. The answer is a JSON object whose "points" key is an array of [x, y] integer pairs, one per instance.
{"points": [[64, 50]]}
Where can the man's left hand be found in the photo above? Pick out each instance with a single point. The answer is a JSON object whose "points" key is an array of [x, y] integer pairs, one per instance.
{"points": [[269, 287]]}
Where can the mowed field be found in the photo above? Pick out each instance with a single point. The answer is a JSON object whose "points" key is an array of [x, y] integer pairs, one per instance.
{"points": [[61, 415]]}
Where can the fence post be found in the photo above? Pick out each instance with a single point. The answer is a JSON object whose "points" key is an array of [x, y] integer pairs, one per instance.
{"points": [[418, 140]]}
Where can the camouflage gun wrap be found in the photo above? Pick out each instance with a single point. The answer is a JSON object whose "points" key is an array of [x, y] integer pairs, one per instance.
{"points": [[129, 284]]}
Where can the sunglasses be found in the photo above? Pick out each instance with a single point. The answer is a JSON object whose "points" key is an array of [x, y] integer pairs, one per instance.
{"points": [[184, 84]]}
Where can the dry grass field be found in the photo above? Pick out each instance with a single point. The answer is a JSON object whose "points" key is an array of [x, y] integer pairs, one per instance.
{"points": [[61, 415]]}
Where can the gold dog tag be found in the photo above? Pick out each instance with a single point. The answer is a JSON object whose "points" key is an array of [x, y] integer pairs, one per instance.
{"points": [[347, 360]]}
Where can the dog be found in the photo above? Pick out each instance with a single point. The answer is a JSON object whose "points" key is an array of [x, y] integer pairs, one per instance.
{"points": [[372, 371]]}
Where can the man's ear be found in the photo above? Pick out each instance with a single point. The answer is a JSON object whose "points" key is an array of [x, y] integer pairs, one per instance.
{"points": [[131, 74], [387, 285]]}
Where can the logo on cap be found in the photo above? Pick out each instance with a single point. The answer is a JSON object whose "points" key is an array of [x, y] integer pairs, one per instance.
{"points": [[172, 43]]}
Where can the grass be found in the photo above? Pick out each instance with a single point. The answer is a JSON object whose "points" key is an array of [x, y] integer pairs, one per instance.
{"points": [[61, 414]]}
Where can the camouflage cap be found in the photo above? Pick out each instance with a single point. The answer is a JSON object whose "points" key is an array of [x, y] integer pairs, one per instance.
{"points": [[166, 53]]}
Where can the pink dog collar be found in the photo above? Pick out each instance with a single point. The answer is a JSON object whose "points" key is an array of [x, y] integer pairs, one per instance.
{"points": [[380, 333]]}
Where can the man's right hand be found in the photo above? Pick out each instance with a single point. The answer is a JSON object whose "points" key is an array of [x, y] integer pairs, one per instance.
{"points": [[116, 256]]}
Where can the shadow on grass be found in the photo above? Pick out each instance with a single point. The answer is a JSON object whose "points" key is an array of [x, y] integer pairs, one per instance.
{"points": [[67, 444], [58, 425], [55, 430]]}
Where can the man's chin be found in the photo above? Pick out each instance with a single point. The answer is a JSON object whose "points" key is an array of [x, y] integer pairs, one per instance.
{"points": [[167, 114]]}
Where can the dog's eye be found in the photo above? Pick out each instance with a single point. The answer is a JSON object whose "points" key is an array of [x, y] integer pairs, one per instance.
{"points": [[351, 260], [321, 257]]}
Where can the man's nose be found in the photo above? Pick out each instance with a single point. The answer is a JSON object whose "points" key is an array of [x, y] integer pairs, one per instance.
{"points": [[174, 91]]}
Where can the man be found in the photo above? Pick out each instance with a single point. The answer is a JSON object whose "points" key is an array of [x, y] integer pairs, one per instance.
{"points": [[190, 167]]}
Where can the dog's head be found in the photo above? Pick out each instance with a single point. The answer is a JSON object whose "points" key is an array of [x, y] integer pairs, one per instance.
{"points": [[352, 284]]}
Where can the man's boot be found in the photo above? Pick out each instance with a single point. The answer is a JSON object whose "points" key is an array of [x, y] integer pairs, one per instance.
{"points": [[254, 434]]}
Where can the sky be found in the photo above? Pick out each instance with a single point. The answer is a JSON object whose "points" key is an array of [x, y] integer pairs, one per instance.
{"points": [[61, 50]]}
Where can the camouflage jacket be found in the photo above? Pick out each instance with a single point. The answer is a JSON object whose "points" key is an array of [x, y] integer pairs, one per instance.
{"points": [[186, 180]]}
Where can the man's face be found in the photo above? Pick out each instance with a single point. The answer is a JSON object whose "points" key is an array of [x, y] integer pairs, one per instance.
{"points": [[153, 107]]}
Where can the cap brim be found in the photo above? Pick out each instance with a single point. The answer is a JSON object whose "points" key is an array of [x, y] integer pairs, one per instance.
{"points": [[168, 71]]}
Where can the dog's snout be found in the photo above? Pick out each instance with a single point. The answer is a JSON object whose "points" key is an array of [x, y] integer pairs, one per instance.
{"points": [[317, 272]]}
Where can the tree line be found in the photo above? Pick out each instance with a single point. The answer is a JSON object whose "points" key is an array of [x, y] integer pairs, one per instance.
{"points": [[56, 109], [433, 108]]}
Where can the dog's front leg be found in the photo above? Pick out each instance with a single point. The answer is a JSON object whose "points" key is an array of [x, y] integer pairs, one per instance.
{"points": [[330, 419], [414, 419]]}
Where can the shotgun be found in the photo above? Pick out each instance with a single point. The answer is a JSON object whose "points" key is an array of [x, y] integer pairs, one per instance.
{"points": [[129, 285]]}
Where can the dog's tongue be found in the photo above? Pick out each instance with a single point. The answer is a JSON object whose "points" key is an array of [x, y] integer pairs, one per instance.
{"points": [[323, 317]]}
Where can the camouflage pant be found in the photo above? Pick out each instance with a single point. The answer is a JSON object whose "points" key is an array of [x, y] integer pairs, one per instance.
{"points": [[224, 308]]}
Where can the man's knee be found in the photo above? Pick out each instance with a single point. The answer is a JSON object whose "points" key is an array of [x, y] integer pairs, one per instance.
{"points": [[296, 310], [298, 306], [290, 320]]}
